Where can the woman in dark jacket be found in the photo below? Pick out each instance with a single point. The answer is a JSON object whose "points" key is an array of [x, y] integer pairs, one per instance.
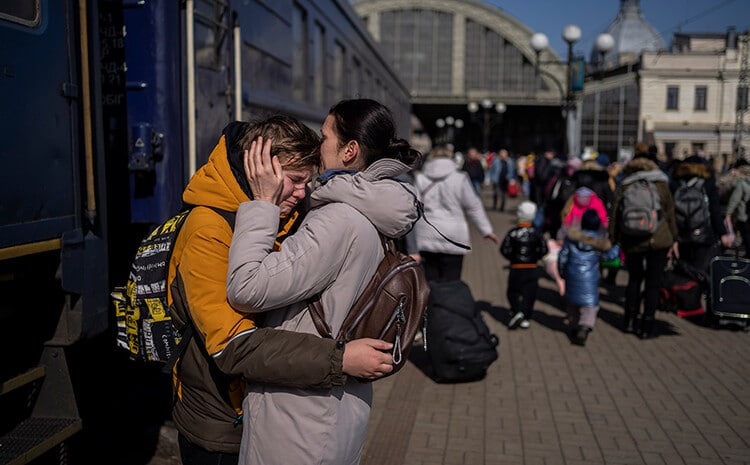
{"points": [[652, 250], [699, 252]]}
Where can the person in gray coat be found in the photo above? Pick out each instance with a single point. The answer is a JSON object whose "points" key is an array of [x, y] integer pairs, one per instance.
{"points": [[738, 207], [448, 198], [334, 254]]}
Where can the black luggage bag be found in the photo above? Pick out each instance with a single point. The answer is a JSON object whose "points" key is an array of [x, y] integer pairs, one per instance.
{"points": [[730, 290], [682, 289], [459, 343]]}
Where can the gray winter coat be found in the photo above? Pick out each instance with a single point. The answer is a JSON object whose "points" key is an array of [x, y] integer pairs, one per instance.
{"points": [[739, 200], [335, 252], [446, 205]]}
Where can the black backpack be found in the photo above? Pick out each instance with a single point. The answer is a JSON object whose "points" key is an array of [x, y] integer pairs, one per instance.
{"points": [[692, 211]]}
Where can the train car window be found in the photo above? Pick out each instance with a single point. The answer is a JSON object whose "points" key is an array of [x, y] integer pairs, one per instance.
{"points": [[339, 52], [300, 53], [26, 12], [210, 32], [319, 68]]}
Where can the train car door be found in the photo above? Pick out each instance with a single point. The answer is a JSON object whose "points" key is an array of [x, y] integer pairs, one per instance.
{"points": [[213, 68], [40, 94]]}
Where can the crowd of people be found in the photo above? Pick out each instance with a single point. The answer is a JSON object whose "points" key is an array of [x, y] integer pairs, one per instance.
{"points": [[576, 219]]}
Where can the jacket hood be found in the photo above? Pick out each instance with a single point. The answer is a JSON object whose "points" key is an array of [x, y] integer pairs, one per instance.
{"points": [[439, 168], [217, 183], [639, 164], [744, 170], [390, 205], [589, 238], [691, 169]]}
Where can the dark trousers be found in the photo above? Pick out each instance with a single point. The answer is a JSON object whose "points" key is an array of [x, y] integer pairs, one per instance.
{"points": [[442, 266], [522, 287], [499, 190], [743, 229], [649, 266], [698, 255], [192, 454]]}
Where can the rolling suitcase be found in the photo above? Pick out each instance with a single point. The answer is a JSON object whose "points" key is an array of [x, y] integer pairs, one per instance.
{"points": [[459, 343], [730, 290]]}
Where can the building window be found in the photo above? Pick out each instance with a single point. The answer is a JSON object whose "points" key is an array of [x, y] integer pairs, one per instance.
{"points": [[742, 98], [700, 98], [673, 97], [669, 149], [299, 54]]}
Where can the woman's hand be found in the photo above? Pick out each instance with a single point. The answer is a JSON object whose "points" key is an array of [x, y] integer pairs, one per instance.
{"points": [[492, 237], [264, 173], [365, 358]]}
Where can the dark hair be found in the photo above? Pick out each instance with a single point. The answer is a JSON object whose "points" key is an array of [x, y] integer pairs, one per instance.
{"points": [[590, 220], [295, 144], [371, 124]]}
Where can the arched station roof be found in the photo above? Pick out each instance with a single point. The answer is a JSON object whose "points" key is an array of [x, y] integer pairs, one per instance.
{"points": [[455, 51]]}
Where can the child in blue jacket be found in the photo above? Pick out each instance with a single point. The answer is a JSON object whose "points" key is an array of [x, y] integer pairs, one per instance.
{"points": [[578, 263]]}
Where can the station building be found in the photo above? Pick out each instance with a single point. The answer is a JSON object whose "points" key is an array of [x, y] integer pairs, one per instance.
{"points": [[475, 80]]}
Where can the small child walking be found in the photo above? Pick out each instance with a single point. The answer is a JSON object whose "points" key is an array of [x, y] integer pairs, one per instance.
{"points": [[524, 246], [578, 262]]}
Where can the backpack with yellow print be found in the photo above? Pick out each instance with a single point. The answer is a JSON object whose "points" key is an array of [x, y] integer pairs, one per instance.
{"points": [[144, 323]]}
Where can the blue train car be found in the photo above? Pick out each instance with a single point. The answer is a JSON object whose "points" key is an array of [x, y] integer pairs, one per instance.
{"points": [[109, 106]]}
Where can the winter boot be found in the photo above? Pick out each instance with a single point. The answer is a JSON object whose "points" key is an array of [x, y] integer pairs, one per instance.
{"points": [[648, 328], [630, 322]]}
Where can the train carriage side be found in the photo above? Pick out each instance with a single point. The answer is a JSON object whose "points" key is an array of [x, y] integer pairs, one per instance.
{"points": [[53, 233], [106, 116]]}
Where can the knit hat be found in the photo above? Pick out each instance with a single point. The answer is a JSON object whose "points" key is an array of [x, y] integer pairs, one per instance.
{"points": [[590, 220], [526, 211], [603, 160]]}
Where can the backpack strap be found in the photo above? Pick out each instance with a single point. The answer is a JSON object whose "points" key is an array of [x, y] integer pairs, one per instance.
{"points": [[316, 308], [420, 208], [188, 330]]}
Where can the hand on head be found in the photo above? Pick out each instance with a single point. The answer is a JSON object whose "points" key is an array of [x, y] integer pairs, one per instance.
{"points": [[264, 173]]}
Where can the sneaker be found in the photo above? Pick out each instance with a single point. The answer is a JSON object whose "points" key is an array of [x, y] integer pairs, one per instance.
{"points": [[525, 324], [516, 320]]}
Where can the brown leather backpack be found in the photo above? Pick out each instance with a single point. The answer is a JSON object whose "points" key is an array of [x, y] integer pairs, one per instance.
{"points": [[392, 307]]}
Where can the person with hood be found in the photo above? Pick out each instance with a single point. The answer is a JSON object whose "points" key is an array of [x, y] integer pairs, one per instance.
{"points": [[645, 256], [739, 207], [578, 263], [582, 200], [594, 175], [228, 348], [448, 199], [333, 255], [700, 252]]}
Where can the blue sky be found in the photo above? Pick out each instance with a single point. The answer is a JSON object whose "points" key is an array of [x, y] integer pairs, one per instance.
{"points": [[593, 17]]}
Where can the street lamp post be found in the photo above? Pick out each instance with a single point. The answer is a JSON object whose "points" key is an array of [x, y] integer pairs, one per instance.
{"points": [[488, 117], [447, 127], [571, 35]]}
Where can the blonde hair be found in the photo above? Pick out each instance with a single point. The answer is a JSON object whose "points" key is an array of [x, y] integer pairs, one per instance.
{"points": [[440, 151]]}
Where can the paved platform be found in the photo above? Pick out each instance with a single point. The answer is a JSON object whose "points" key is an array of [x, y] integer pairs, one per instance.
{"points": [[681, 398]]}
